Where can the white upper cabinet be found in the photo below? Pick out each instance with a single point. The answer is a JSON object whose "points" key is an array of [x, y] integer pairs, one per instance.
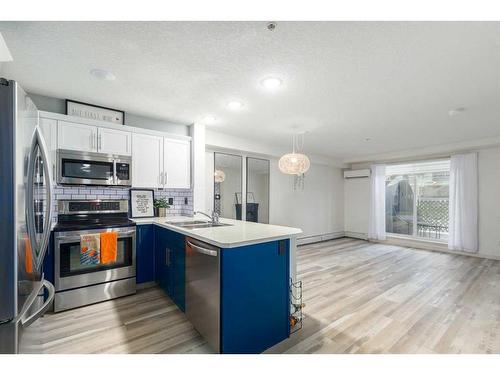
{"points": [[147, 161], [177, 163], [49, 132], [81, 137], [77, 137], [112, 141]]}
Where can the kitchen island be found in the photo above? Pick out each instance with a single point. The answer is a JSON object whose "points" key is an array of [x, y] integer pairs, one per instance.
{"points": [[231, 281]]}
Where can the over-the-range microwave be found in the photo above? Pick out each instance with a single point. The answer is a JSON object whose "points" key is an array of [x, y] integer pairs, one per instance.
{"points": [[93, 168]]}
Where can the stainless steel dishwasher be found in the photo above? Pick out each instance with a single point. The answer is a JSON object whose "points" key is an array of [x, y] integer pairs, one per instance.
{"points": [[203, 289]]}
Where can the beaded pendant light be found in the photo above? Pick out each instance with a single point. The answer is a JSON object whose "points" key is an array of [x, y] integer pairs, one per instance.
{"points": [[295, 163], [219, 176]]}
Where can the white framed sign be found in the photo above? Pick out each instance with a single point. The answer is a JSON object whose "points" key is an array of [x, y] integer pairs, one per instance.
{"points": [[94, 112], [141, 203]]}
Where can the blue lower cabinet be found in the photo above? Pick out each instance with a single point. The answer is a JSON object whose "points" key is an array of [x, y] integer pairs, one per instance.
{"points": [[162, 253], [255, 301], [170, 263], [144, 254]]}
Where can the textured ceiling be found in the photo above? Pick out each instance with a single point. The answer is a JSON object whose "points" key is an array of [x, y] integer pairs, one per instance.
{"points": [[392, 82]]}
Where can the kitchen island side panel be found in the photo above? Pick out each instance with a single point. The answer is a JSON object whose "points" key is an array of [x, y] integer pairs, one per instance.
{"points": [[255, 302], [145, 254]]}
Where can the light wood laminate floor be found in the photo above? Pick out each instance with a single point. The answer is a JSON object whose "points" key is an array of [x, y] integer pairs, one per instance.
{"points": [[360, 298]]}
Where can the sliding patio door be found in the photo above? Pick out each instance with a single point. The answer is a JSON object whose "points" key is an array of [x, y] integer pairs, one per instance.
{"points": [[417, 196]]}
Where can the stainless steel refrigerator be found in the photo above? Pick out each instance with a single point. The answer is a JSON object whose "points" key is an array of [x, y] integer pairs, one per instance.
{"points": [[25, 220]]}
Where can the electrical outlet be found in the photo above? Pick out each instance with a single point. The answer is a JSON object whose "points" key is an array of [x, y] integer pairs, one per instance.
{"points": [[185, 200], [170, 201]]}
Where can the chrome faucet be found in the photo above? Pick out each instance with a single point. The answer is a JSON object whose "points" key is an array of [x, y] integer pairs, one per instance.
{"points": [[214, 218]]}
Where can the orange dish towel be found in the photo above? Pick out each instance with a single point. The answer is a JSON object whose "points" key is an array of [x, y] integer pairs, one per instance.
{"points": [[109, 247], [28, 256]]}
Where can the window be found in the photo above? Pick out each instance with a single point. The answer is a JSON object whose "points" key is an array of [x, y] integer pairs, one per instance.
{"points": [[416, 200]]}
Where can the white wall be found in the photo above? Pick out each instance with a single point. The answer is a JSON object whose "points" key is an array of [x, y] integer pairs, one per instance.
{"points": [[317, 210], [358, 196], [57, 105], [228, 143], [489, 201], [356, 206], [198, 163]]}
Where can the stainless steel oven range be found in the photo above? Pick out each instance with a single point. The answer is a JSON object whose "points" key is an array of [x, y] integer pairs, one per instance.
{"points": [[78, 283]]}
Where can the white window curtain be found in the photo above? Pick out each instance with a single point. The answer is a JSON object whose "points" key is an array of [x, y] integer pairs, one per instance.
{"points": [[376, 222], [463, 229]]}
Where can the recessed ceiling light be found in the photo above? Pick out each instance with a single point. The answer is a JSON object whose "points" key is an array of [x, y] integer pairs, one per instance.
{"points": [[209, 119], [456, 111], [103, 74], [271, 83], [368, 139], [234, 105]]}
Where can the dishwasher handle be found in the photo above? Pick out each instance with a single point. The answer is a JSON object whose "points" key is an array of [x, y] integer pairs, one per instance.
{"points": [[202, 250]]}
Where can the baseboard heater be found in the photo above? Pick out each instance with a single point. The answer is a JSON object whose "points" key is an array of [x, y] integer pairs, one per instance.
{"points": [[358, 235], [319, 238]]}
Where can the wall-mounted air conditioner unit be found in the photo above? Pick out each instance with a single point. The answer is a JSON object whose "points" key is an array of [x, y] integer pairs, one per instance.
{"points": [[357, 173]]}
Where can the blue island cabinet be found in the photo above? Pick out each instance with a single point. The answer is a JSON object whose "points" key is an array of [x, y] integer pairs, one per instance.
{"points": [[255, 300], [170, 264]]}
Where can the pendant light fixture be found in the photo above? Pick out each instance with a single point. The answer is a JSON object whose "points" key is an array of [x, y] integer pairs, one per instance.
{"points": [[295, 163]]}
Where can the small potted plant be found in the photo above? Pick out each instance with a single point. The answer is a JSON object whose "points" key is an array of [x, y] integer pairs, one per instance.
{"points": [[160, 206]]}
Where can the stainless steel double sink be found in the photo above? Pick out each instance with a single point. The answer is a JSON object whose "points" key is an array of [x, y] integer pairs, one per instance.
{"points": [[196, 224]]}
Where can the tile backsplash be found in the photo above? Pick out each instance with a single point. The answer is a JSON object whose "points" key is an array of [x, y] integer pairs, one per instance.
{"points": [[179, 196]]}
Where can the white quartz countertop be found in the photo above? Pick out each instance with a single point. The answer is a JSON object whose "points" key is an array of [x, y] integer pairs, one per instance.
{"points": [[240, 233]]}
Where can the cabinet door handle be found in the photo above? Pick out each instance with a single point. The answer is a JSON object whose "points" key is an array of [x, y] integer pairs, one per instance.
{"points": [[167, 256], [99, 142]]}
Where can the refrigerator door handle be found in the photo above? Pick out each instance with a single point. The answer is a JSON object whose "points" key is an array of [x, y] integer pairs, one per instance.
{"points": [[52, 292], [41, 247]]}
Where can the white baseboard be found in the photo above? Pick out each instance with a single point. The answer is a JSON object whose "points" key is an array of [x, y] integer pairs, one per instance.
{"points": [[359, 235], [319, 238], [430, 246]]}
